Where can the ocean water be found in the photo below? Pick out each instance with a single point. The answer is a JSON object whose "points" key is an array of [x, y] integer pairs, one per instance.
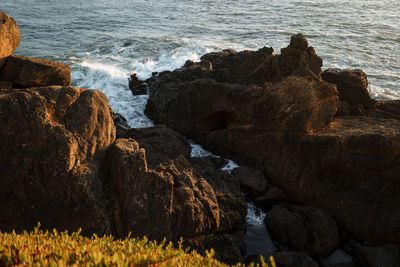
{"points": [[104, 40]]}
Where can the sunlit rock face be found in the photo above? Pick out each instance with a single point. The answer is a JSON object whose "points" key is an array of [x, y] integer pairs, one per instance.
{"points": [[277, 114]]}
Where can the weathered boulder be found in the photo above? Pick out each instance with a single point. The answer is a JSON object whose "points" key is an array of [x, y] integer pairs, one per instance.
{"points": [[53, 140], [283, 125], [251, 181], [156, 190], [293, 259], [25, 72], [9, 37], [303, 229], [352, 85]]}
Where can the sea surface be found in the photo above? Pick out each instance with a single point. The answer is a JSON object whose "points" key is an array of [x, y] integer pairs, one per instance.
{"points": [[105, 40]]}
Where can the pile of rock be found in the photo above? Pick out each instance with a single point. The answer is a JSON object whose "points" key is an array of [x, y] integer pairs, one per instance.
{"points": [[61, 164], [317, 137]]}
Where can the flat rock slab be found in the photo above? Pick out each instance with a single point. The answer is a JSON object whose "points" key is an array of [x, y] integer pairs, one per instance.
{"points": [[35, 72]]}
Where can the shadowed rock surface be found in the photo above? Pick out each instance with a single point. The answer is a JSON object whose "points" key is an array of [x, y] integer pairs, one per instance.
{"points": [[53, 140], [157, 190], [35, 72], [280, 120], [303, 229]]}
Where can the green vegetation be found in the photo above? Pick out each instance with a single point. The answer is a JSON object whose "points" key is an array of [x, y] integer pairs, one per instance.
{"points": [[52, 248]]}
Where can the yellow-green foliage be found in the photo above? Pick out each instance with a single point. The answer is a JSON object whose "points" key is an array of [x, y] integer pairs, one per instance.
{"points": [[44, 248]]}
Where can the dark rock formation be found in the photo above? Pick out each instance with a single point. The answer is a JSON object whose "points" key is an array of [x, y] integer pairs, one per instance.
{"points": [[272, 197], [388, 256], [9, 37], [137, 87], [293, 259], [352, 85], [158, 191], [53, 140], [279, 118], [25, 72], [303, 229], [251, 181]]}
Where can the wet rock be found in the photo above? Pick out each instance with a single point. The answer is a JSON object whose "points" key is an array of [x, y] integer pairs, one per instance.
{"points": [[35, 72], [157, 190], [272, 197], [53, 142], [137, 87], [251, 181], [388, 256], [293, 259], [303, 229], [352, 85], [121, 125], [9, 37]]}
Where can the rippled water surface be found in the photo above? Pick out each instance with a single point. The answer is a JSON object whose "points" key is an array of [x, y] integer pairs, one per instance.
{"points": [[104, 40]]}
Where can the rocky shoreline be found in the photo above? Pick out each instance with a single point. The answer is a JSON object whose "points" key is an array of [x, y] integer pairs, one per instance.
{"points": [[323, 157]]}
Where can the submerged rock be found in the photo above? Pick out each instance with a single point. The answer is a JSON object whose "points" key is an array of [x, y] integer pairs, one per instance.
{"points": [[35, 72]]}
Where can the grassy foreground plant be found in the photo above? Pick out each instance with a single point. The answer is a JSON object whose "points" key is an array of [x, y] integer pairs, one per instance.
{"points": [[53, 248]]}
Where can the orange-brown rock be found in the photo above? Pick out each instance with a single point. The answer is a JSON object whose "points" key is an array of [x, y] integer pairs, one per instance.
{"points": [[281, 122], [25, 72], [157, 190], [53, 140], [9, 37]]}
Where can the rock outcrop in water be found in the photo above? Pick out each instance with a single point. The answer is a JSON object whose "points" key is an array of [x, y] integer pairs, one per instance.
{"points": [[277, 114]]}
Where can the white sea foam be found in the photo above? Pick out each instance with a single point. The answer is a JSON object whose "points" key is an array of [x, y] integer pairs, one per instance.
{"points": [[255, 216], [199, 152]]}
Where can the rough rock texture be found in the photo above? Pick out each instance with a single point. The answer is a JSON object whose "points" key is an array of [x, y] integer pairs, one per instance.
{"points": [[251, 181], [303, 229], [388, 255], [158, 191], [9, 37], [352, 85], [35, 72], [293, 259], [297, 104], [52, 141], [280, 120]]}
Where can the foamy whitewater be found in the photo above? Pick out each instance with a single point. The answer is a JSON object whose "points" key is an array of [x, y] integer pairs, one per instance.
{"points": [[105, 40]]}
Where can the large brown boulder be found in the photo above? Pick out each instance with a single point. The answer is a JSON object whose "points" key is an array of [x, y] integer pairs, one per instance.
{"points": [[352, 85], [157, 190], [53, 140], [284, 126], [296, 104], [35, 72], [9, 37]]}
